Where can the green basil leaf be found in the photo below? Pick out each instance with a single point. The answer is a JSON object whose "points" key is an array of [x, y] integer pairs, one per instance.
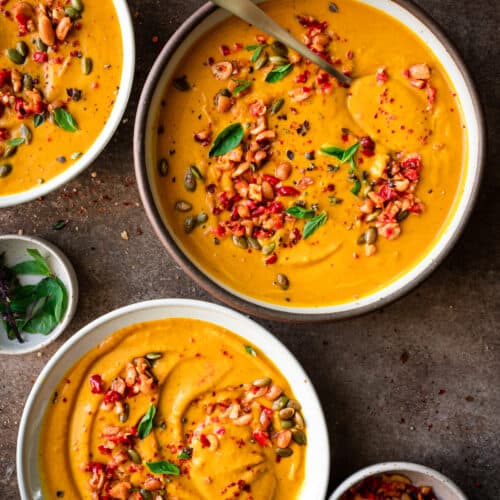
{"points": [[163, 467], [344, 155], [15, 141], [255, 46], [356, 188], [313, 224], [65, 120], [242, 85], [35, 308], [146, 423], [44, 323], [300, 212], [21, 298], [277, 74], [76, 155], [227, 140], [258, 51], [37, 266], [250, 350], [59, 224], [38, 120]]}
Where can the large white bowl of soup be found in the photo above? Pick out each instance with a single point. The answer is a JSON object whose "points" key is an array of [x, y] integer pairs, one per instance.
{"points": [[292, 196], [173, 399], [66, 71]]}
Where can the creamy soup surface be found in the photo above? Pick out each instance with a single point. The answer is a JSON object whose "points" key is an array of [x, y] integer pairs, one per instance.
{"points": [[175, 408], [289, 188]]}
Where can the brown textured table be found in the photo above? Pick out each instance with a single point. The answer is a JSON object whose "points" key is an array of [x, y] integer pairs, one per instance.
{"points": [[418, 380]]}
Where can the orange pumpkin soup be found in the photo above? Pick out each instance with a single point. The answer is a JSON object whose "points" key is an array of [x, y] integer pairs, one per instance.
{"points": [[292, 189], [60, 69], [175, 408]]}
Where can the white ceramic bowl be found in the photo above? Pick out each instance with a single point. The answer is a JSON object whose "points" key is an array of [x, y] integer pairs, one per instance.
{"points": [[444, 488], [126, 80], [15, 247], [145, 137], [317, 455]]}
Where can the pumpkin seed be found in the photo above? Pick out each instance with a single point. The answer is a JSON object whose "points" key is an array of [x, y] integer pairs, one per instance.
{"points": [[280, 403], [299, 436], [41, 46], [284, 452], [371, 217], [134, 456], [276, 105], [124, 415], [240, 242], [196, 172], [189, 180], [15, 56], [9, 151], [254, 243], [282, 281], [261, 61], [262, 382], [182, 84], [286, 413], [27, 82], [22, 48], [183, 206], [222, 92], [269, 248], [5, 169], [163, 167], [145, 494], [299, 421], [72, 13], [402, 215], [77, 4], [189, 223], [369, 236], [286, 424], [294, 404], [201, 218], [280, 49], [87, 65], [278, 60], [153, 356], [26, 134]]}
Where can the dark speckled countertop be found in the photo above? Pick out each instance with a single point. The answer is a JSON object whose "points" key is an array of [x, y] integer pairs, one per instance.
{"points": [[418, 380]]}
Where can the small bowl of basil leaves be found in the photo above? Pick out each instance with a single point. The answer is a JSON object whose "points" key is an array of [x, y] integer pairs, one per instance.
{"points": [[38, 293]]}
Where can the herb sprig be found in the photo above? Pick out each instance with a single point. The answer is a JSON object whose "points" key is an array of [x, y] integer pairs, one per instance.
{"points": [[30, 308], [343, 155], [227, 139]]}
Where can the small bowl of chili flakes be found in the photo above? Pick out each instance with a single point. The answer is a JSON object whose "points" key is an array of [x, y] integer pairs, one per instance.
{"points": [[397, 481]]}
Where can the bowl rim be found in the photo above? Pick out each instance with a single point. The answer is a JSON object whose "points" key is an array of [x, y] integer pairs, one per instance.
{"points": [[73, 293], [225, 295], [112, 123], [401, 467], [322, 455]]}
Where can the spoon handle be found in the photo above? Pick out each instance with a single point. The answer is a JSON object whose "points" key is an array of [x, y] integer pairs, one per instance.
{"points": [[249, 12]]}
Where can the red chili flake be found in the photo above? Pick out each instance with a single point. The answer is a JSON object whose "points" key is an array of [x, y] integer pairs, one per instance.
{"points": [[271, 259], [381, 75], [303, 77], [261, 437], [387, 193], [350, 54], [5, 77], [271, 179], [322, 78], [224, 50], [94, 467], [237, 46], [275, 207], [287, 191], [155, 39], [4, 133], [105, 451], [112, 396], [96, 384], [40, 57], [204, 441], [406, 73]]}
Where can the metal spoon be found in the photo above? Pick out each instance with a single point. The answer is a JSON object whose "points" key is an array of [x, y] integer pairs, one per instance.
{"points": [[249, 12]]}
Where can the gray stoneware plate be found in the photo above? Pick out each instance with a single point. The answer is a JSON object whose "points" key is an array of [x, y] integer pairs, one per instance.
{"points": [[145, 162]]}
